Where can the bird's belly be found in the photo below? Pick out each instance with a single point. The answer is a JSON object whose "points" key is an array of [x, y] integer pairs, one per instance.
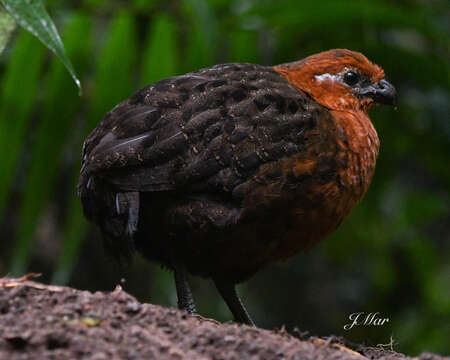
{"points": [[299, 222], [237, 252], [300, 228], [310, 226]]}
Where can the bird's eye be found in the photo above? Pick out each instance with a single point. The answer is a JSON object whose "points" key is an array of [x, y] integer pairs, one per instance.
{"points": [[351, 77]]}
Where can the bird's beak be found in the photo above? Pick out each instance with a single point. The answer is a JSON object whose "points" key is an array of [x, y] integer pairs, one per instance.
{"points": [[382, 92]]}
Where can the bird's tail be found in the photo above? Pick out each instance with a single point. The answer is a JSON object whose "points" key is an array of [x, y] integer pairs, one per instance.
{"points": [[115, 212]]}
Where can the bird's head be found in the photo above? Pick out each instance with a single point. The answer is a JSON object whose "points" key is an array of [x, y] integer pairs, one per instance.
{"points": [[341, 80]]}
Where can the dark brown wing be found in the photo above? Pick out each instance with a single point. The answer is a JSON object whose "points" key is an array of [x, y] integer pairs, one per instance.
{"points": [[217, 125], [206, 132]]}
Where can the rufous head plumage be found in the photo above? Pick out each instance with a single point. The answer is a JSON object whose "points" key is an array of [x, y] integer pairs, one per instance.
{"points": [[340, 79]]}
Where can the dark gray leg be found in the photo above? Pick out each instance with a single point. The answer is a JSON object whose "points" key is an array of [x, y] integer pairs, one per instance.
{"points": [[185, 298], [228, 292]]}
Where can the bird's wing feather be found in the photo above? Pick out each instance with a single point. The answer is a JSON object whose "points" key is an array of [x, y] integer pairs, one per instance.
{"points": [[205, 130]]}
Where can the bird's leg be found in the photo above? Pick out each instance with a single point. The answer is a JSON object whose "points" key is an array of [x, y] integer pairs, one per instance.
{"points": [[229, 294], [184, 293]]}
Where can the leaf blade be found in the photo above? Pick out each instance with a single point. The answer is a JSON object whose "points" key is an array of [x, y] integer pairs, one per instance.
{"points": [[17, 99], [51, 135], [32, 16], [7, 25], [161, 44]]}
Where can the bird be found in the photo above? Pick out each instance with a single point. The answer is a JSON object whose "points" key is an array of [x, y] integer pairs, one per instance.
{"points": [[224, 170]]}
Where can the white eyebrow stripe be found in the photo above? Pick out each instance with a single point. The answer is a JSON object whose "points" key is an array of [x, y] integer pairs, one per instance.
{"points": [[327, 77]]}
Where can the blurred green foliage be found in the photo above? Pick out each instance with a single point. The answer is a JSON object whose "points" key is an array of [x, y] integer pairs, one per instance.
{"points": [[390, 256]]}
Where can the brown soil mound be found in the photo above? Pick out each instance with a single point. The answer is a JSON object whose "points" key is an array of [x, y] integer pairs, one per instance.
{"points": [[50, 322]]}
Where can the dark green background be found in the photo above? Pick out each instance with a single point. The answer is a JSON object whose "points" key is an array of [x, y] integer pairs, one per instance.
{"points": [[391, 254]]}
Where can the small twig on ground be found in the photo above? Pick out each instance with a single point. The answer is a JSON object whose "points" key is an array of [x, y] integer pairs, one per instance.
{"points": [[24, 281], [389, 345]]}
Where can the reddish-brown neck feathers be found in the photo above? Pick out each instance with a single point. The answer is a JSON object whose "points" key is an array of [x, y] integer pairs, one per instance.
{"points": [[319, 76], [314, 75]]}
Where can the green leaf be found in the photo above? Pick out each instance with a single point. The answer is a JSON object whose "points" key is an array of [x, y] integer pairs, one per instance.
{"points": [[144, 5], [244, 46], [19, 87], [205, 19], [202, 37], [32, 16], [116, 67], [7, 25], [50, 138], [304, 15], [161, 44], [75, 230]]}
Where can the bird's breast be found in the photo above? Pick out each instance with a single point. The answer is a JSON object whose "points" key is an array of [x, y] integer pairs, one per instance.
{"points": [[332, 182], [361, 148]]}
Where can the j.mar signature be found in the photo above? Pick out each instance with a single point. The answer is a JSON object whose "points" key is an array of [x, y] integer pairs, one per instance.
{"points": [[363, 319]]}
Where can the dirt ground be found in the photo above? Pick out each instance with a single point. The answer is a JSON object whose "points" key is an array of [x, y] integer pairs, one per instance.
{"points": [[38, 321]]}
